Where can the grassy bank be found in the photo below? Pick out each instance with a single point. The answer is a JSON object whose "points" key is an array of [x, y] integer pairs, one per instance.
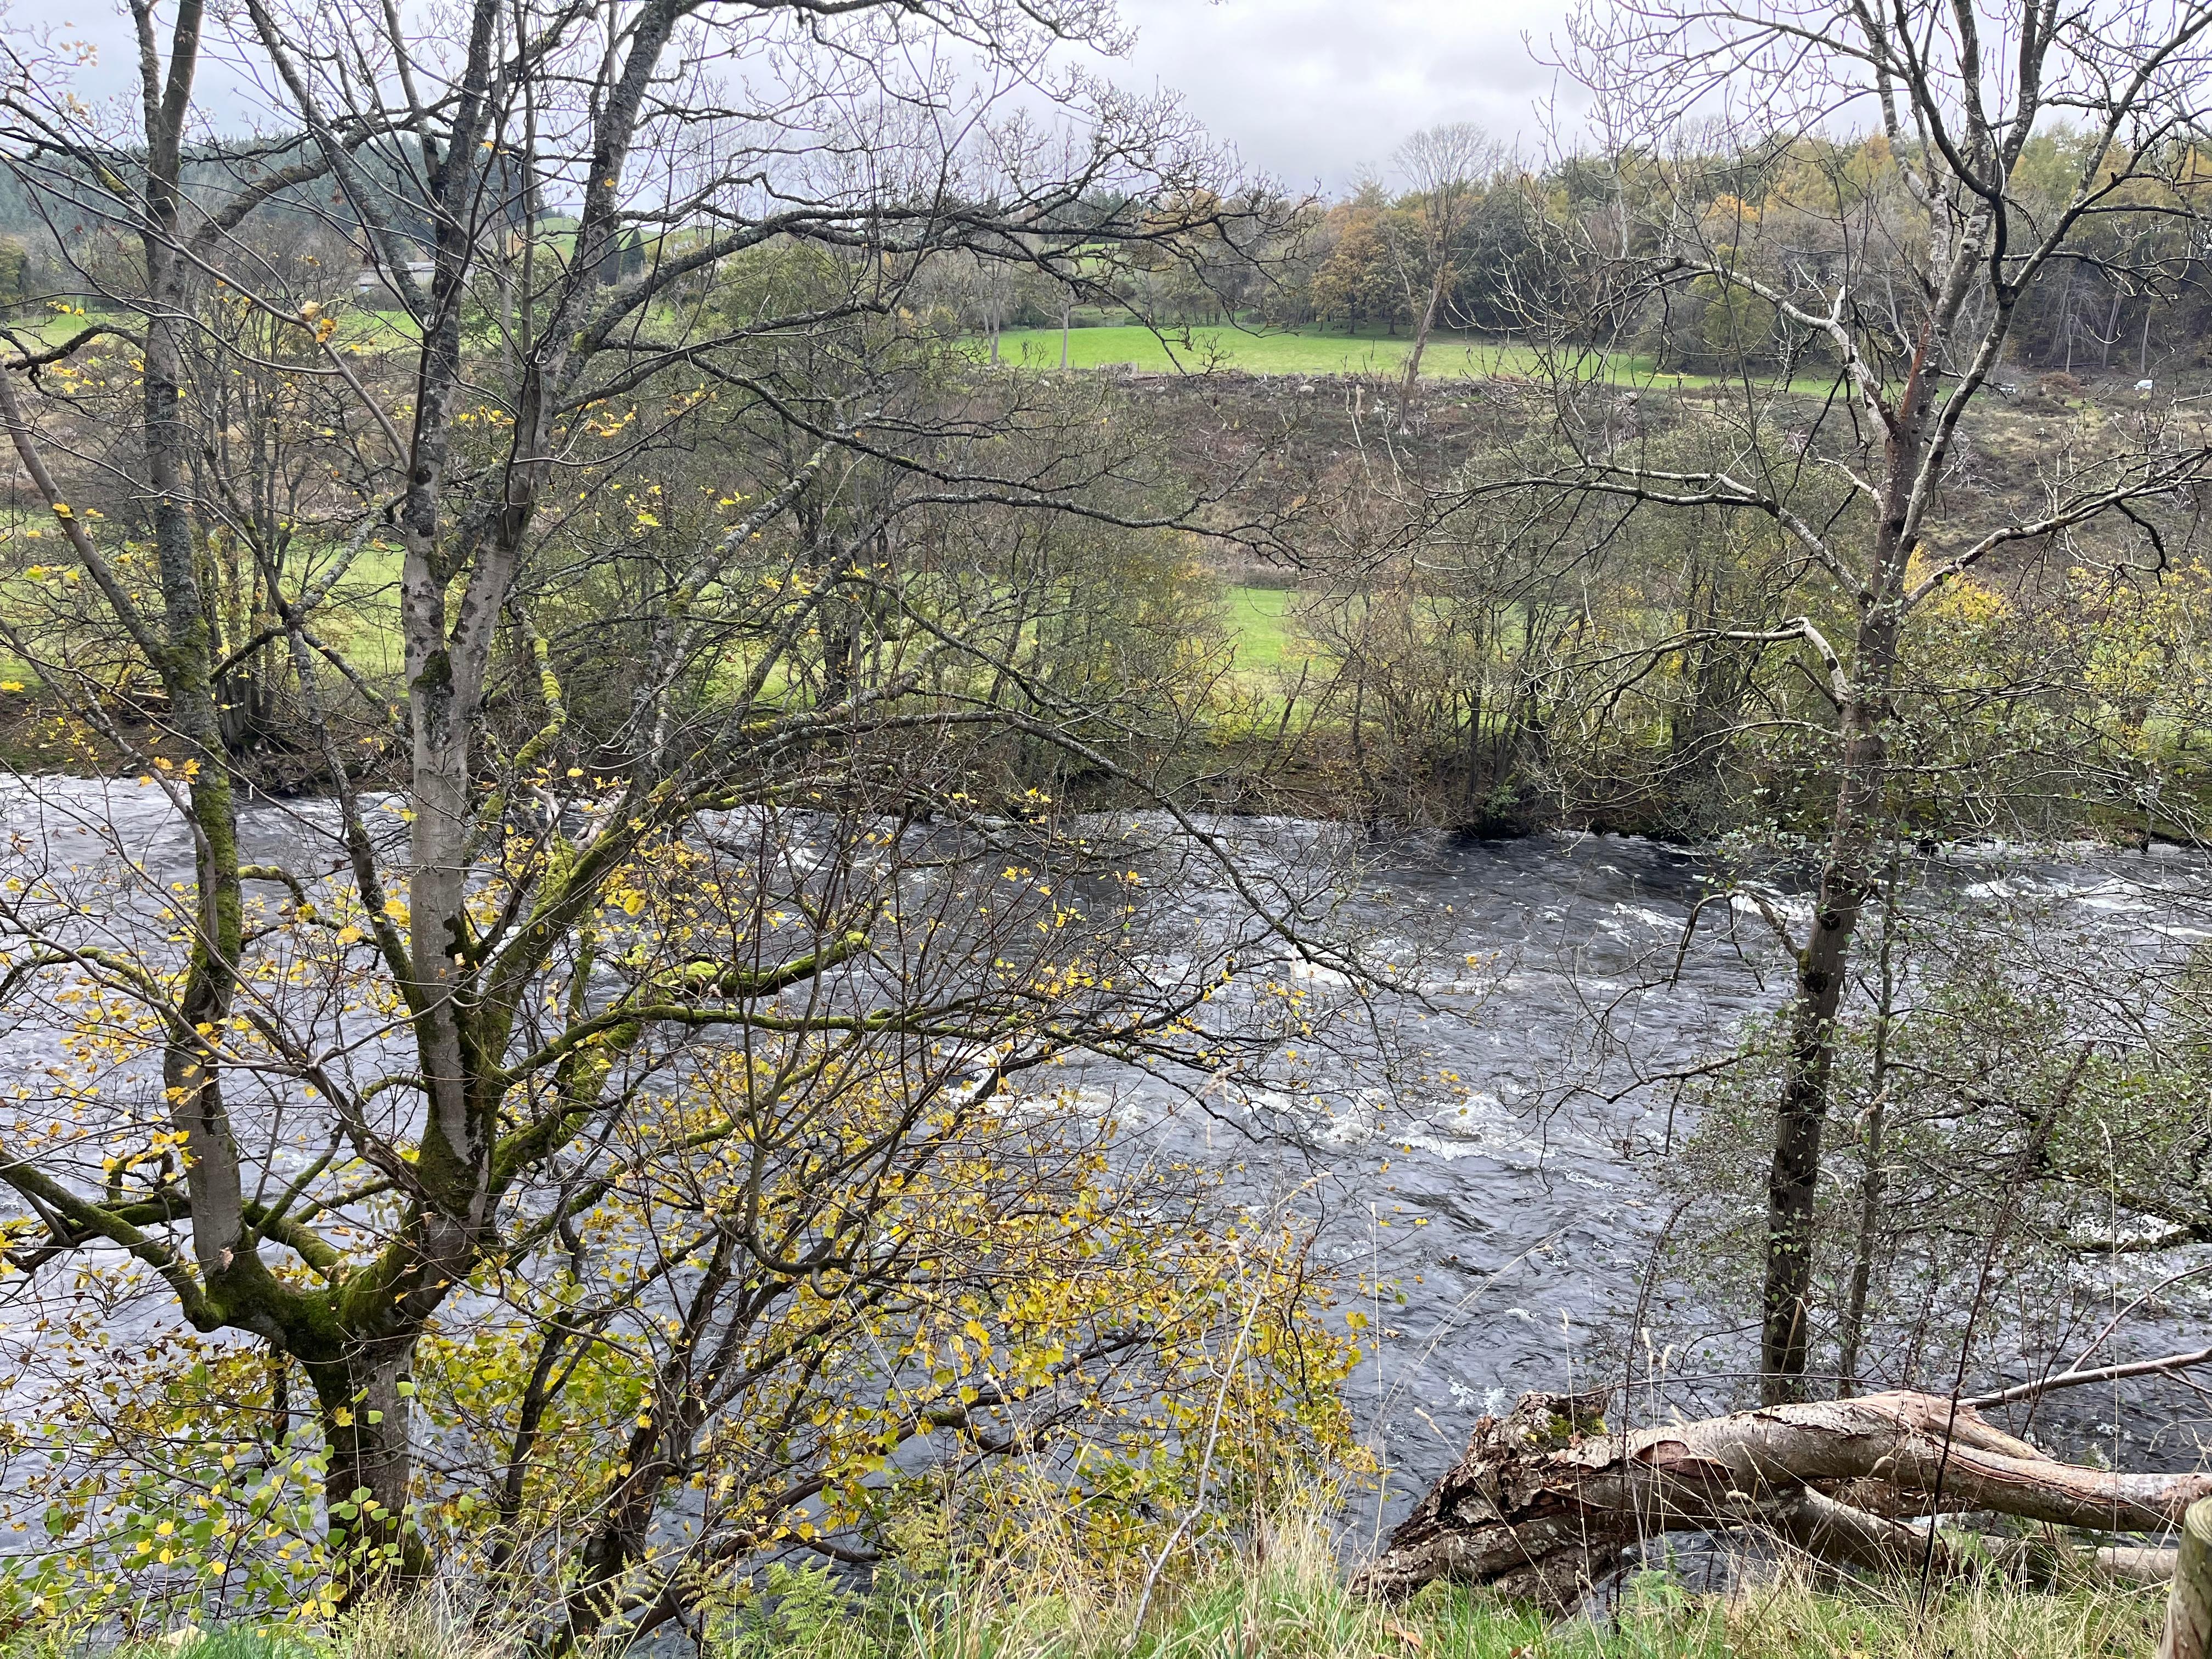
{"points": [[1288, 1601]]}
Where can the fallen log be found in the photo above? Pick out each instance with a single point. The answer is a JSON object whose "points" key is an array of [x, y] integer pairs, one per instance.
{"points": [[2135, 1566], [1546, 1501]]}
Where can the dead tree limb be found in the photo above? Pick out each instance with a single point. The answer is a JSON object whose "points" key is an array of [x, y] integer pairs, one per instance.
{"points": [[2165, 1365], [1545, 1500]]}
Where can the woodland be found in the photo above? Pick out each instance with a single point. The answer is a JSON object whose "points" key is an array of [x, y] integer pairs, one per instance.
{"points": [[693, 961]]}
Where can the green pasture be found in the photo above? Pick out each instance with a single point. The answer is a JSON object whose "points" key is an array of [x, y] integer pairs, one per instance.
{"points": [[1293, 352], [1261, 627], [1315, 351], [368, 324]]}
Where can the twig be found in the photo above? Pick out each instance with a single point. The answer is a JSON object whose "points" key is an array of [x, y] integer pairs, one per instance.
{"points": [[2173, 1361], [1205, 1472]]}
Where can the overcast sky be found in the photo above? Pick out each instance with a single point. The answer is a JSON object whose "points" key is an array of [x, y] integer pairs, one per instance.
{"points": [[1309, 91]]}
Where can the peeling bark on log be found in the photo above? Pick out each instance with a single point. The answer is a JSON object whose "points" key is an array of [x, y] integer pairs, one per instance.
{"points": [[1545, 1501]]}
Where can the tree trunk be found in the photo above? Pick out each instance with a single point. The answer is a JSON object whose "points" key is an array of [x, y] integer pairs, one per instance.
{"points": [[1872, 1179], [2188, 1604], [1545, 1502], [1823, 971], [364, 1403], [1422, 324], [1916, 439]]}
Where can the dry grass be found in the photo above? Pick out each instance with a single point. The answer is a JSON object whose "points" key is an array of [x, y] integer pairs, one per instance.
{"points": [[1285, 1599]]}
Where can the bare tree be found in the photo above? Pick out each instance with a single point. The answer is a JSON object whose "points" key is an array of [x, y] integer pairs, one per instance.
{"points": [[1893, 267], [1445, 169], [805, 628]]}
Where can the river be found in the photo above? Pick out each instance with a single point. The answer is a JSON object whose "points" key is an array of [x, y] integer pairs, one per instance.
{"points": [[1478, 1144], [1504, 1184]]}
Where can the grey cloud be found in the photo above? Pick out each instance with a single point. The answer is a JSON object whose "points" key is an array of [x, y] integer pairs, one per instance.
{"points": [[1314, 89], [1311, 91]]}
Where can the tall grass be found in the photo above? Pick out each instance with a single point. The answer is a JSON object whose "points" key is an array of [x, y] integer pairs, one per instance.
{"points": [[1288, 1599], [1285, 1598]]}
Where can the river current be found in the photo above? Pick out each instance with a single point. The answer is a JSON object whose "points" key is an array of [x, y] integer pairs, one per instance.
{"points": [[1481, 1145], [1499, 1190]]}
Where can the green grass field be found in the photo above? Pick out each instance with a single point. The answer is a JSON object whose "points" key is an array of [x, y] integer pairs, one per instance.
{"points": [[1260, 624], [1298, 351], [1449, 355], [365, 327]]}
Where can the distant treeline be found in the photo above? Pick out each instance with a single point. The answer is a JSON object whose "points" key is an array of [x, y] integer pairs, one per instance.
{"points": [[1507, 249], [1531, 251], [48, 201]]}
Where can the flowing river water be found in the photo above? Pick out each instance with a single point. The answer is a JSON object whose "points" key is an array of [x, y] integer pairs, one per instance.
{"points": [[1499, 1191], [1479, 1146]]}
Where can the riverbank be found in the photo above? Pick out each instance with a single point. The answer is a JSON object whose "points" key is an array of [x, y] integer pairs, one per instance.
{"points": [[1288, 1600], [1297, 676]]}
